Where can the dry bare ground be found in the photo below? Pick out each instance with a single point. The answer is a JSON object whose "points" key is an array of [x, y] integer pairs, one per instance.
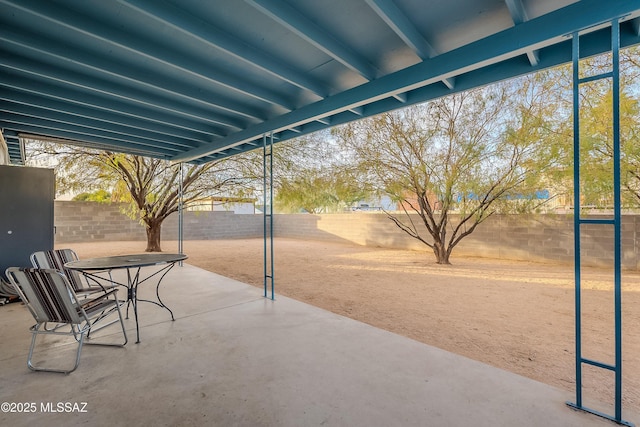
{"points": [[518, 316]]}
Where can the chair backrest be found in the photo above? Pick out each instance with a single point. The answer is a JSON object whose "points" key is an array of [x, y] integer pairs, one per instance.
{"points": [[56, 259], [47, 293]]}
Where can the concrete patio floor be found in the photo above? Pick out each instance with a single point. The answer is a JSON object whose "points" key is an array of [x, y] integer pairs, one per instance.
{"points": [[234, 358]]}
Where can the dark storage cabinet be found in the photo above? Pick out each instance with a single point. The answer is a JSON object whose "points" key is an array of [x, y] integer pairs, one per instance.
{"points": [[26, 214]]}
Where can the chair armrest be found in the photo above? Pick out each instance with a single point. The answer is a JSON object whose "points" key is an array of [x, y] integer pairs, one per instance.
{"points": [[87, 305]]}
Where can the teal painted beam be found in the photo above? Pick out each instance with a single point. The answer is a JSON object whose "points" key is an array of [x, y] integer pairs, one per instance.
{"points": [[155, 139], [147, 107], [79, 26], [513, 42], [211, 36], [290, 18]]}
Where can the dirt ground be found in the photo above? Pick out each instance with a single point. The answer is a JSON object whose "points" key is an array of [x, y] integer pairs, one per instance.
{"points": [[518, 316]]}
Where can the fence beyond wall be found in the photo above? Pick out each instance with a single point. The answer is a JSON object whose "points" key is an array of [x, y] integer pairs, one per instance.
{"points": [[517, 237]]}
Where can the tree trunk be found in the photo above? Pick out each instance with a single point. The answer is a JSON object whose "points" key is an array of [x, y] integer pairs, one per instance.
{"points": [[153, 237], [441, 253]]}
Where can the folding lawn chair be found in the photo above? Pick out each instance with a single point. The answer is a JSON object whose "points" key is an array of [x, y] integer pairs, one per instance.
{"points": [[51, 299]]}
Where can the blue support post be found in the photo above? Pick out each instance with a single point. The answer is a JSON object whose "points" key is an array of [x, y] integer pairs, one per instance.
{"points": [[614, 75], [180, 212], [267, 186], [576, 212], [617, 203]]}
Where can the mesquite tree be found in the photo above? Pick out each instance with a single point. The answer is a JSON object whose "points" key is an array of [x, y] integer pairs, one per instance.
{"points": [[466, 154], [311, 174], [149, 185], [152, 187]]}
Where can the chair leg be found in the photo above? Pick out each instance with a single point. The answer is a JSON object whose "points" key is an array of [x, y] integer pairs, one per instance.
{"points": [[102, 315], [79, 336], [35, 332], [124, 332]]}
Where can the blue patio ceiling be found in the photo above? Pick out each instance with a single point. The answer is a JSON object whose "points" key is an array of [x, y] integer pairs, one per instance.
{"points": [[190, 80]]}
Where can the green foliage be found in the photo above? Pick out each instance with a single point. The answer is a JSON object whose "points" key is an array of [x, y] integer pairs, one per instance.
{"points": [[596, 133], [597, 150], [471, 154], [150, 186], [463, 154], [313, 175], [100, 196], [314, 193], [308, 194]]}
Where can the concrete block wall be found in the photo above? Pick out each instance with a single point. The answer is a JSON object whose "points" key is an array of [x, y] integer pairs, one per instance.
{"points": [[524, 237], [209, 225], [87, 221], [517, 237]]}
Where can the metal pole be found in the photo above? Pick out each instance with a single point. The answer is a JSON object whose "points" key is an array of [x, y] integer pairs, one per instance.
{"points": [[264, 210], [267, 191], [271, 211], [614, 75], [180, 213], [576, 212], [617, 203]]}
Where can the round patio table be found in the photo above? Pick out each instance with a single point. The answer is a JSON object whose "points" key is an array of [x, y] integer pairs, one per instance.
{"points": [[91, 267]]}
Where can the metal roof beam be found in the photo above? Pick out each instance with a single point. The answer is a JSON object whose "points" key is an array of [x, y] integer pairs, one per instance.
{"points": [[49, 129], [10, 135], [400, 24], [157, 139], [91, 143], [507, 44], [49, 92], [450, 82], [142, 84], [164, 57], [211, 36], [636, 25], [11, 118], [593, 43], [290, 18], [15, 146], [519, 15], [114, 98], [72, 109]]}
